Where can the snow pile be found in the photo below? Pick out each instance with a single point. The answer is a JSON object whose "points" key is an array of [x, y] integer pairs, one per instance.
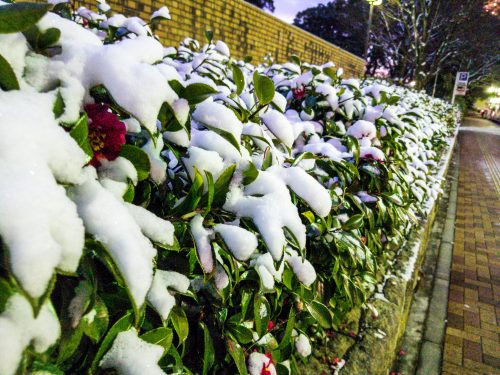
{"points": [[132, 356], [302, 345], [268, 203], [240, 242], [38, 223], [201, 238], [161, 300], [20, 328]]}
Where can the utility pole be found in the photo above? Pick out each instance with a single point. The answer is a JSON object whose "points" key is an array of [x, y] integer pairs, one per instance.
{"points": [[368, 29]]}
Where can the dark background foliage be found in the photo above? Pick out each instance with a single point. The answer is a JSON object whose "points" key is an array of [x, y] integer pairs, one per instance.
{"points": [[425, 41], [263, 4]]}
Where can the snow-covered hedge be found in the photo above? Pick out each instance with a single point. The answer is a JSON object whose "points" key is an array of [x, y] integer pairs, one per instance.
{"points": [[170, 210]]}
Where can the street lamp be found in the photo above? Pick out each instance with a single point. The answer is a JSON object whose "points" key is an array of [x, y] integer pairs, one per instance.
{"points": [[493, 90], [370, 16]]}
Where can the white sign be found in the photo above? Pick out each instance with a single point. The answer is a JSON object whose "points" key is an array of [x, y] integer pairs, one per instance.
{"points": [[461, 82]]}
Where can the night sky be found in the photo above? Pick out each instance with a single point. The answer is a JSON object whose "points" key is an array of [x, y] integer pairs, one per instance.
{"points": [[287, 9]]}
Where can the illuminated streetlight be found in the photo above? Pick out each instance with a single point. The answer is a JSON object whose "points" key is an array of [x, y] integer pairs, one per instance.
{"points": [[492, 7], [493, 90], [370, 16]]}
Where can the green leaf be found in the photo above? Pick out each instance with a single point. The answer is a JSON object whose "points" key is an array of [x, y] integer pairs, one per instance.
{"points": [[241, 333], [354, 222], [303, 156], [159, 336], [320, 313], [176, 86], [197, 92], [178, 367], [32, 34], [84, 293], [210, 192], [353, 146], [222, 185], [63, 10], [58, 107], [123, 324], [138, 158], [268, 159], [209, 34], [8, 79], [180, 322], [250, 174], [261, 314], [290, 325], [43, 368], [48, 38], [309, 216], [287, 278], [281, 369], [95, 323], [142, 195], [264, 88], [393, 198], [104, 255], [246, 298], [170, 119], [238, 78], [80, 133], [129, 194], [20, 16], [6, 291], [330, 72], [193, 197], [208, 352], [238, 356], [295, 59], [69, 343]]}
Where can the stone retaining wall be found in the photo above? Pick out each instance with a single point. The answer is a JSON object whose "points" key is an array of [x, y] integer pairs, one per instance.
{"points": [[371, 350], [372, 354]]}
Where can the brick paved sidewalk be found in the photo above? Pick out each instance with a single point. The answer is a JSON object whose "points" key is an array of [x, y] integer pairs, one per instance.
{"points": [[472, 342]]}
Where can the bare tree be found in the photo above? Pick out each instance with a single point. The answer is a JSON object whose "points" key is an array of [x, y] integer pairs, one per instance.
{"points": [[421, 39]]}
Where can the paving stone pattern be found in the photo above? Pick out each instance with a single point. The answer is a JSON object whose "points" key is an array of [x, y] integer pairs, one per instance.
{"points": [[472, 341]]}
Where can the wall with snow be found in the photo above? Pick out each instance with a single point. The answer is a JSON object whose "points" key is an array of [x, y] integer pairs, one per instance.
{"points": [[246, 29]]}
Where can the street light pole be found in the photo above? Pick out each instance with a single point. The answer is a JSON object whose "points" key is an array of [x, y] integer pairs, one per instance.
{"points": [[435, 83], [368, 29]]}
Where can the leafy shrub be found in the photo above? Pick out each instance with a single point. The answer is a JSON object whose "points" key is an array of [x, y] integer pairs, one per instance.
{"points": [[182, 211]]}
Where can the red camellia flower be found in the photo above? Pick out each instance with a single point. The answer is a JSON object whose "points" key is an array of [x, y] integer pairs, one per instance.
{"points": [[265, 367], [106, 133], [299, 92], [270, 325]]}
